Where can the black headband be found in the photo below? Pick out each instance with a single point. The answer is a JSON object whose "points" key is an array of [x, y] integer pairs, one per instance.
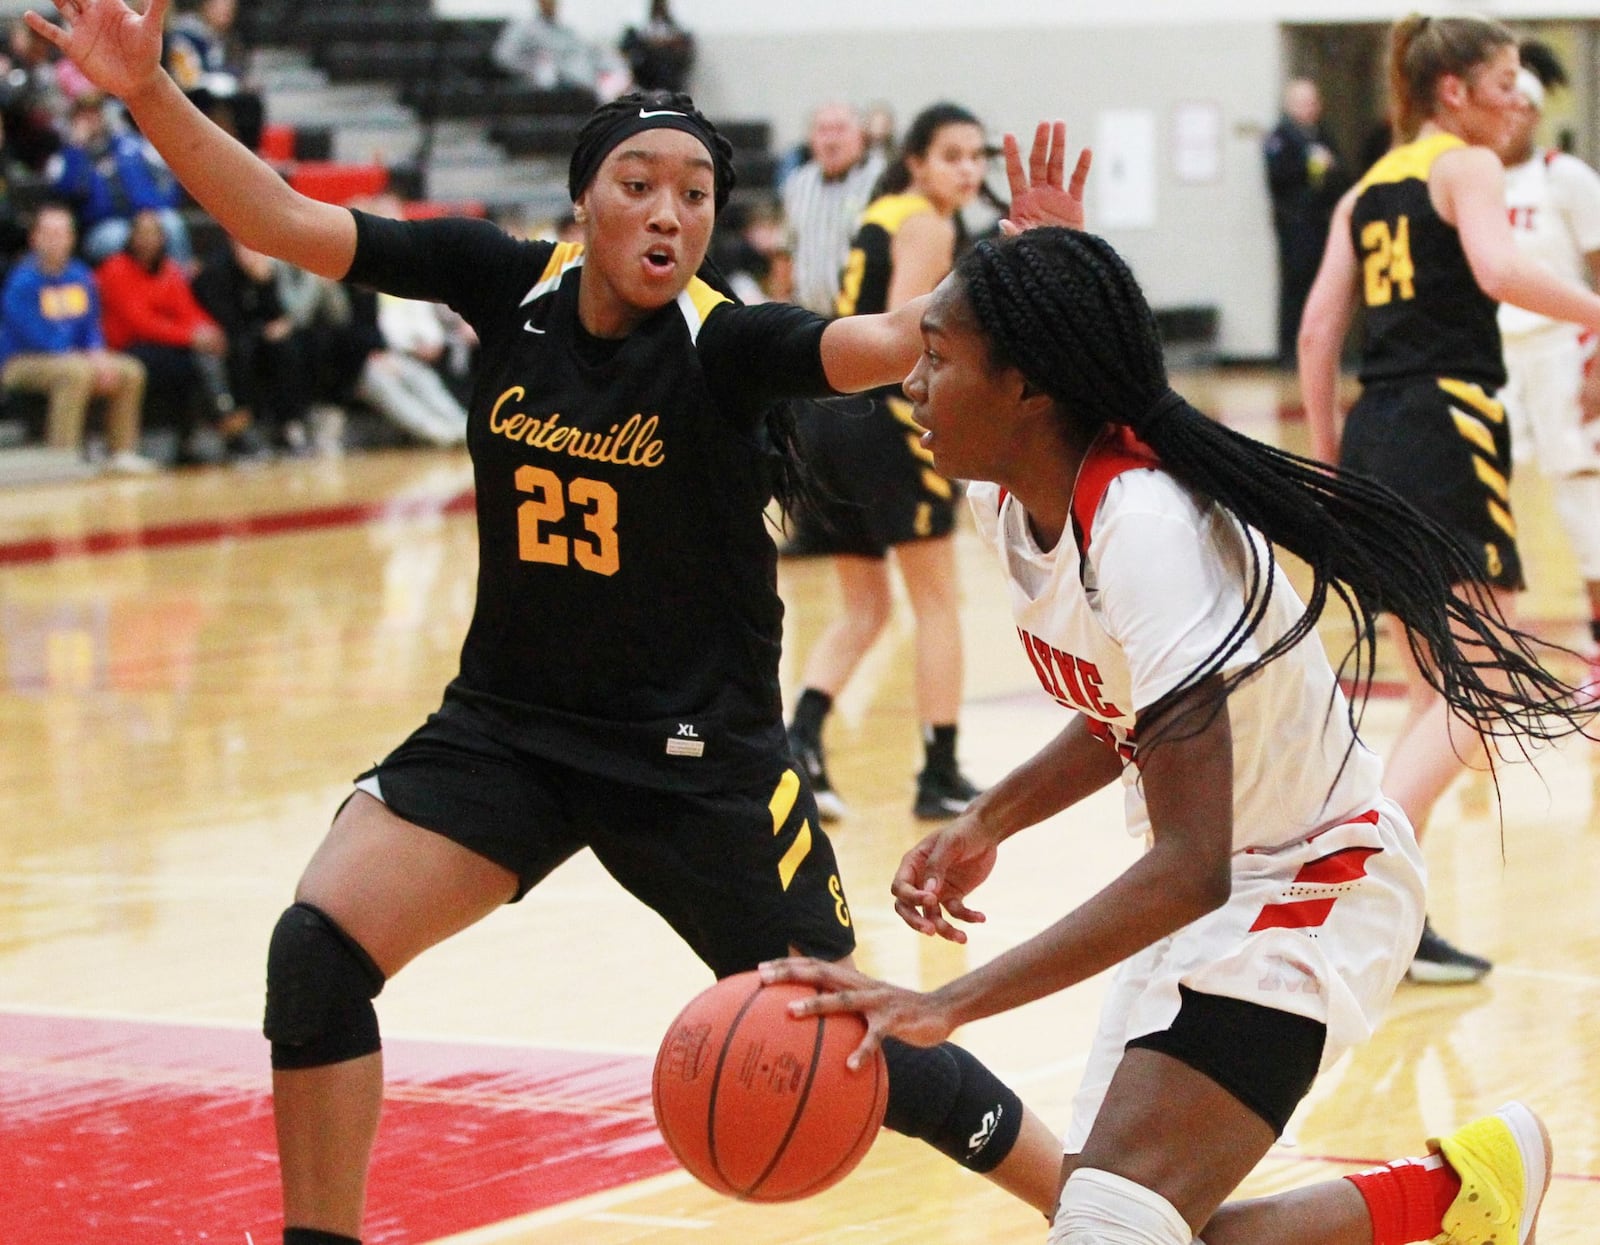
{"points": [[591, 153]]}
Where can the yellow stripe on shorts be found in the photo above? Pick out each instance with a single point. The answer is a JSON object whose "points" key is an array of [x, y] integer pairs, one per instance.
{"points": [[781, 805]]}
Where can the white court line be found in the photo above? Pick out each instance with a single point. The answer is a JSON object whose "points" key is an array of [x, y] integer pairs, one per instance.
{"points": [[566, 1212], [651, 1221]]}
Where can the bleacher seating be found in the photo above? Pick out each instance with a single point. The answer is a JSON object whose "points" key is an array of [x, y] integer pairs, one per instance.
{"points": [[440, 68]]}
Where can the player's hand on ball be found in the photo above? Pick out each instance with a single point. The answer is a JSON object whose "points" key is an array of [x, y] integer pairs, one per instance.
{"points": [[890, 1011]]}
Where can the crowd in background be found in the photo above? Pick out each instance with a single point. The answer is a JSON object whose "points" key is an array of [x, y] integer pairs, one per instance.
{"points": [[114, 325]]}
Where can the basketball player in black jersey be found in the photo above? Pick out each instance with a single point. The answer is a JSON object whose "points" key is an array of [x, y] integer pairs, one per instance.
{"points": [[877, 491], [1425, 242], [615, 692]]}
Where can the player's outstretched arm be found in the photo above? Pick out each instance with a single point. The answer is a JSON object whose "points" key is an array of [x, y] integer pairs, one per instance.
{"points": [[119, 50]]}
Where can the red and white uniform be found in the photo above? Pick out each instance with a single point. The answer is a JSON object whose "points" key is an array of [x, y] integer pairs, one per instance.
{"points": [[1554, 204], [1327, 899]]}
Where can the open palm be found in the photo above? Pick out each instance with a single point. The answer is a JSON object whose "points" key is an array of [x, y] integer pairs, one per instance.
{"points": [[1040, 195], [117, 48]]}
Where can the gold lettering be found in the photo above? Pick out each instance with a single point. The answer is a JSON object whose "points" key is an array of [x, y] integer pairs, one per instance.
{"points": [[632, 443], [541, 439], [513, 394]]}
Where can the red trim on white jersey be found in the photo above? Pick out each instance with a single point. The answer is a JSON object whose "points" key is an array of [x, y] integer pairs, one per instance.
{"points": [[1114, 451]]}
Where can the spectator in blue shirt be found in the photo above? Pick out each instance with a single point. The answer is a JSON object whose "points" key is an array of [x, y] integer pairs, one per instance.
{"points": [[50, 342], [108, 178]]}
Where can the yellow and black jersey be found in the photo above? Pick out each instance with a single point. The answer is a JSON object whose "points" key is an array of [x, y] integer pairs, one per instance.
{"points": [[627, 619], [864, 288], [1425, 314]]}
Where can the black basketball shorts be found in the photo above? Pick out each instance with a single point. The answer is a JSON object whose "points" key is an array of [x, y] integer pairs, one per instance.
{"points": [[1445, 446], [741, 875], [874, 484]]}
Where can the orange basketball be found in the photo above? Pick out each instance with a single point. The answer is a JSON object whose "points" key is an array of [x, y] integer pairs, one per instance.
{"points": [[759, 1104]]}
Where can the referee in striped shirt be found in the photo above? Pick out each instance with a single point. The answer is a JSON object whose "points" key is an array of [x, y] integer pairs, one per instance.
{"points": [[822, 200]]}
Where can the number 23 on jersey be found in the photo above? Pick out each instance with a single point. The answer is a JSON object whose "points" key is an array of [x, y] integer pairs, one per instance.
{"points": [[547, 504]]}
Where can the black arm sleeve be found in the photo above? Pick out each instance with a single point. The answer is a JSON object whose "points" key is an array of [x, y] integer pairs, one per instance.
{"points": [[755, 356], [470, 265]]}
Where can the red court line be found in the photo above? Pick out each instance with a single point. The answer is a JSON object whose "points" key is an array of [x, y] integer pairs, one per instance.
{"points": [[150, 1134], [200, 531]]}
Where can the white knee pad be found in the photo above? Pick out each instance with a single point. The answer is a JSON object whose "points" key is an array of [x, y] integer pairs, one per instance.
{"points": [[1098, 1208], [1577, 501]]}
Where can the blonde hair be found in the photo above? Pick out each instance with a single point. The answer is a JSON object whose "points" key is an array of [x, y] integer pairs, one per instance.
{"points": [[1424, 49]]}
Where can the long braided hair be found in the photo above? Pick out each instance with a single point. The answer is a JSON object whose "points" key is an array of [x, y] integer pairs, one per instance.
{"points": [[1063, 308]]}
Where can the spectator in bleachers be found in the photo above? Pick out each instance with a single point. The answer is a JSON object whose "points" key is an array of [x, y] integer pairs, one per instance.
{"points": [[546, 53], [319, 310], [107, 177], [13, 237], [32, 103], [822, 200], [403, 340], [401, 380], [208, 60], [459, 364], [268, 371], [660, 53], [150, 312], [51, 342]]}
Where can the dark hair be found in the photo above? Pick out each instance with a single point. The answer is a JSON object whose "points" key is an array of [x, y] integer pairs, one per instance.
{"points": [[1540, 59], [611, 122], [920, 134], [1424, 49], [1063, 308]]}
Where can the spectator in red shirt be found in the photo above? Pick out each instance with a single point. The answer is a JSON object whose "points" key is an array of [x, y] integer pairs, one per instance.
{"points": [[150, 312]]}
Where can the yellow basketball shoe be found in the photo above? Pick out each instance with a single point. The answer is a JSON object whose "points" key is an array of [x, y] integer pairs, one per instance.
{"points": [[1504, 1164]]}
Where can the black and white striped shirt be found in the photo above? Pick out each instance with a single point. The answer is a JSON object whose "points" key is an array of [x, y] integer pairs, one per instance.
{"points": [[821, 215]]}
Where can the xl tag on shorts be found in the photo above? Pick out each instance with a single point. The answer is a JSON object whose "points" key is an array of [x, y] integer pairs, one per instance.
{"points": [[687, 742]]}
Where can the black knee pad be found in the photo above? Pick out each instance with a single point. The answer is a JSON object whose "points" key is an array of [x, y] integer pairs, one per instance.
{"points": [[944, 1096], [320, 987]]}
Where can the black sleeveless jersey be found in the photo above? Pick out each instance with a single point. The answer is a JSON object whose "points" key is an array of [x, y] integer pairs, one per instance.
{"points": [[1425, 313], [627, 619], [864, 287]]}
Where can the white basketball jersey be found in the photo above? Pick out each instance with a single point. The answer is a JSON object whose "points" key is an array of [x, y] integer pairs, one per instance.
{"points": [[1162, 583], [1554, 204]]}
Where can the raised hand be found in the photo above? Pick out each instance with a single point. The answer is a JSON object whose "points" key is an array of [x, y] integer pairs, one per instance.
{"points": [[889, 1011], [1039, 196], [936, 876], [117, 48]]}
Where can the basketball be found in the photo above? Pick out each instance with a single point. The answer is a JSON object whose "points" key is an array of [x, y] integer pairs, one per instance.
{"points": [[759, 1104]]}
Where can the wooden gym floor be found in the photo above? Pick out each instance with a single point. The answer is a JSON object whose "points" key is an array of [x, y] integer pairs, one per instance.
{"points": [[194, 667]]}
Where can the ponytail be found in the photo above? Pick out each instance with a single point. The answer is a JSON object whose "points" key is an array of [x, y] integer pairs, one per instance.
{"points": [[1424, 49]]}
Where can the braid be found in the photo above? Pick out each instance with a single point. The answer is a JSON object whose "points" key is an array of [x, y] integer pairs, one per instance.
{"points": [[1064, 309]]}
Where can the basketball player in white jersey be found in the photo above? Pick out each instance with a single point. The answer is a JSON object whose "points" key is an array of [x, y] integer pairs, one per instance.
{"points": [[1281, 893], [1552, 392]]}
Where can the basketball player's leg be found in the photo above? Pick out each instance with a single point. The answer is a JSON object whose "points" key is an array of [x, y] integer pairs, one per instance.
{"points": [[865, 605], [1434, 745], [928, 568], [393, 890]]}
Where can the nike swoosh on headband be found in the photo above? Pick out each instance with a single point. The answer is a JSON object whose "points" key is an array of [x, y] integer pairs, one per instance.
{"points": [[662, 112]]}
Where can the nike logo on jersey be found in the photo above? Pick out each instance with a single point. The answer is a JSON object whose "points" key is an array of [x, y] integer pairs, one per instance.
{"points": [[661, 112], [529, 328]]}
